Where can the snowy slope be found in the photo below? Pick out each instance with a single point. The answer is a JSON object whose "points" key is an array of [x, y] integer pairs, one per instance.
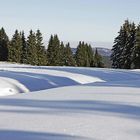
{"points": [[65, 103]]}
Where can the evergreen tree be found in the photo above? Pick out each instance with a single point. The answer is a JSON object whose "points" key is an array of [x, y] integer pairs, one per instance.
{"points": [[53, 51], [61, 54], [4, 42], [68, 56], [90, 53], [136, 50], [80, 55], [122, 52], [50, 50], [15, 49], [84, 55], [32, 49], [87, 60], [117, 49], [98, 60], [24, 53], [41, 51], [129, 45]]}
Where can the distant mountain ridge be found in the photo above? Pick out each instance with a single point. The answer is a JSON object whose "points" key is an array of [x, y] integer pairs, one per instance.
{"points": [[104, 51]]}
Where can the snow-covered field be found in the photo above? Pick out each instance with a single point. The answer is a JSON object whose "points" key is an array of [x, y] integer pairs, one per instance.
{"points": [[65, 103]]}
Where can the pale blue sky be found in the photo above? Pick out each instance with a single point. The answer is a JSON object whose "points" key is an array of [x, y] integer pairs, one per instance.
{"points": [[72, 20]]}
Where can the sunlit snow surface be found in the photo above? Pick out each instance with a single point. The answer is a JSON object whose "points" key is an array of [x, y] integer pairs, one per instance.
{"points": [[65, 103]]}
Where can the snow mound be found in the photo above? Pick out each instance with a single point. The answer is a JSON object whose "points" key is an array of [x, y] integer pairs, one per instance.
{"points": [[10, 86]]}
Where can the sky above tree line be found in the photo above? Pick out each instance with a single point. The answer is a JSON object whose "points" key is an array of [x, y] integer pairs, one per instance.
{"points": [[73, 20]]}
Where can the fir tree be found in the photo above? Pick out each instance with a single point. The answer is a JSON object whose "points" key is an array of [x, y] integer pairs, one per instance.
{"points": [[53, 51], [87, 53], [117, 49], [129, 45], [24, 53], [136, 50], [80, 55], [98, 60], [90, 54], [50, 50], [61, 54], [32, 49], [122, 52], [41, 51], [68, 55], [84, 55], [4, 43], [15, 49]]}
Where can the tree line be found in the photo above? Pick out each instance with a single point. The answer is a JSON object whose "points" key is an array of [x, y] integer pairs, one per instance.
{"points": [[31, 50], [126, 48]]}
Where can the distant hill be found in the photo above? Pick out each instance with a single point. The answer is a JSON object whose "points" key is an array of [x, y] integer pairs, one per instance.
{"points": [[104, 51]]}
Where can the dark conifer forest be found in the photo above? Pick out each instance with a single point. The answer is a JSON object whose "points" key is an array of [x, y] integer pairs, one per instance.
{"points": [[31, 50]]}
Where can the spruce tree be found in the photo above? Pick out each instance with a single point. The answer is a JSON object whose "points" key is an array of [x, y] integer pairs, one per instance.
{"points": [[87, 59], [90, 54], [4, 43], [32, 49], [68, 56], [84, 55], [41, 51], [15, 49], [98, 60], [24, 53], [50, 50], [53, 51], [136, 50], [129, 45], [118, 48], [61, 54], [122, 52], [80, 55]]}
